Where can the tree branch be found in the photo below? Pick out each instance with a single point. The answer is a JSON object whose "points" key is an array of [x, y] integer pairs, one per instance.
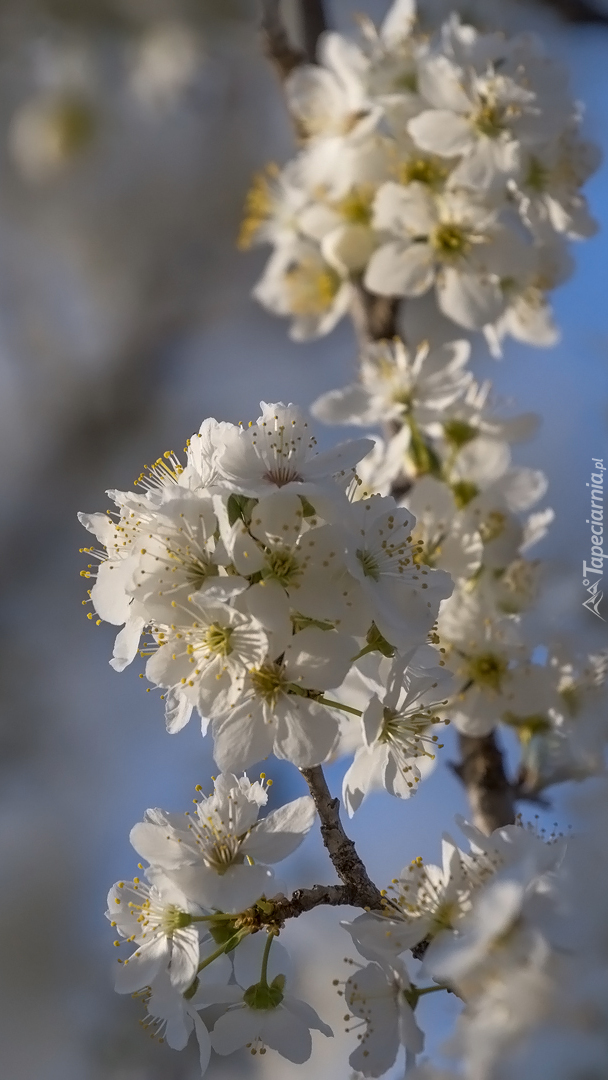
{"points": [[374, 317], [490, 792], [314, 23], [275, 40], [578, 11], [341, 850], [276, 44]]}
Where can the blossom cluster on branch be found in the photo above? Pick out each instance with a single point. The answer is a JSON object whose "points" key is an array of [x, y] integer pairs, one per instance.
{"points": [[448, 447], [352, 602], [446, 162]]}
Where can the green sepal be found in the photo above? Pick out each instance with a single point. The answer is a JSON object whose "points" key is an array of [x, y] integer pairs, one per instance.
{"points": [[464, 491], [262, 996], [191, 991], [308, 509], [240, 506], [379, 643]]}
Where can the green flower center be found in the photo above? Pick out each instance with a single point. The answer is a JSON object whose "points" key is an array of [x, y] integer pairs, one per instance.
{"points": [[282, 566], [459, 433], [370, 564], [311, 288], [537, 176], [450, 240], [173, 919], [197, 572], [404, 398], [464, 492], [492, 526], [407, 80], [267, 682], [490, 120], [356, 207], [422, 171], [218, 638], [487, 670]]}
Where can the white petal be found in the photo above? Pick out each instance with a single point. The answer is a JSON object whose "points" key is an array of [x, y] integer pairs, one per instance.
{"points": [[284, 1032], [178, 711], [319, 659], [357, 781], [350, 405], [109, 596], [204, 1041], [156, 845], [410, 1034], [439, 131], [372, 720], [308, 1015], [268, 602], [342, 457], [242, 738], [400, 269], [409, 211], [277, 518], [468, 299], [143, 966], [236, 1028], [307, 736], [101, 525], [127, 643], [440, 83], [184, 957], [281, 832], [398, 22], [348, 248], [482, 461]]}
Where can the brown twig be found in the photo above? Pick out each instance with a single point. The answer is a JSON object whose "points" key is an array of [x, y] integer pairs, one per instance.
{"points": [[303, 900], [314, 23], [275, 40], [276, 44], [340, 848], [578, 11], [374, 317], [490, 792]]}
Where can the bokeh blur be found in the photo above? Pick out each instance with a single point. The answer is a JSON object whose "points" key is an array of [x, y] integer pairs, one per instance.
{"points": [[129, 130]]}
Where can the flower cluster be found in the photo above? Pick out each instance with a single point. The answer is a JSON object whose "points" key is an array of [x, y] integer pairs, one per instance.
{"points": [[450, 917], [261, 584], [447, 458], [447, 163], [530, 961], [185, 924], [308, 604]]}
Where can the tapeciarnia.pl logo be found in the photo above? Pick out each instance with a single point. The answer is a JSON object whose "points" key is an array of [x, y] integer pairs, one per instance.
{"points": [[593, 571]]}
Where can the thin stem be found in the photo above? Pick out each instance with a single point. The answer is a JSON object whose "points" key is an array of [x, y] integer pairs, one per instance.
{"points": [[430, 990], [338, 705], [209, 959], [264, 975], [212, 918]]}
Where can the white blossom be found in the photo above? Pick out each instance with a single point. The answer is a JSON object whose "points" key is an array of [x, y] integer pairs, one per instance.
{"points": [[399, 730], [260, 1014], [377, 994], [218, 856], [159, 919]]}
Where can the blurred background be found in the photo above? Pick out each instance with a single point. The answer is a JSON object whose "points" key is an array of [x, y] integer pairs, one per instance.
{"points": [[129, 130]]}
